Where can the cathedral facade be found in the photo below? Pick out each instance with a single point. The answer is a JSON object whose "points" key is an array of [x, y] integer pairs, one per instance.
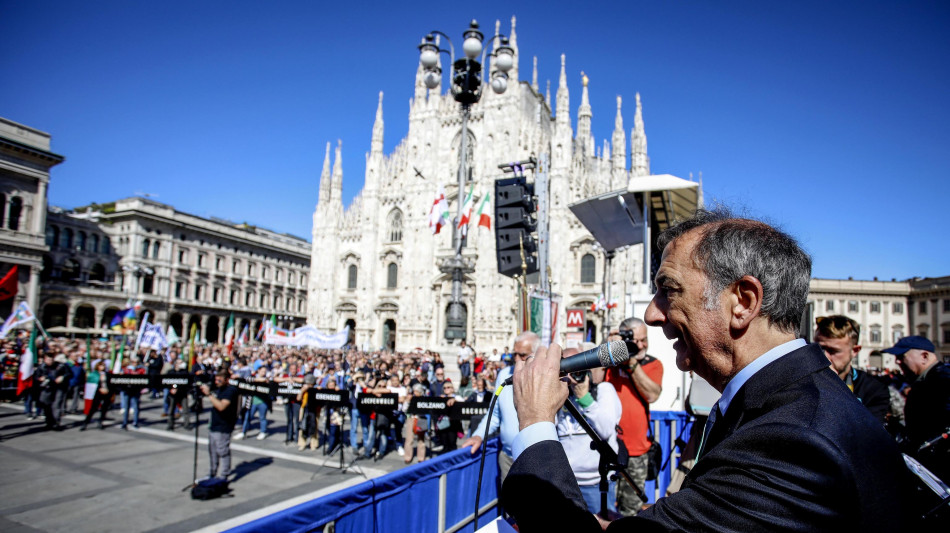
{"points": [[375, 264]]}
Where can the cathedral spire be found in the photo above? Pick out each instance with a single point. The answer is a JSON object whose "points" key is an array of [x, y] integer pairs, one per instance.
{"points": [[336, 194], [513, 43], [584, 115], [547, 94], [562, 113], [419, 94], [377, 142], [324, 194], [534, 75], [639, 161], [619, 141]]}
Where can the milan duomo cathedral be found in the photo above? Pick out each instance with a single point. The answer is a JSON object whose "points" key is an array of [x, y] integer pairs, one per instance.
{"points": [[375, 263]]}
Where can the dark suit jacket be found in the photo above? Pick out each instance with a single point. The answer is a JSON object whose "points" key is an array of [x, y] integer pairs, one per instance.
{"points": [[873, 394], [795, 452]]}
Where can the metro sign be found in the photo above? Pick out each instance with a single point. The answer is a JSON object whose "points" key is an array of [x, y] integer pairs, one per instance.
{"points": [[575, 318]]}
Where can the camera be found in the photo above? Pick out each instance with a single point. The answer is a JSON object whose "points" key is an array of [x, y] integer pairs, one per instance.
{"points": [[627, 336], [579, 376]]}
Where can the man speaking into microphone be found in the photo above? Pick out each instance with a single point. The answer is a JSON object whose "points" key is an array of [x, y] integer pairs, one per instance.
{"points": [[786, 448]]}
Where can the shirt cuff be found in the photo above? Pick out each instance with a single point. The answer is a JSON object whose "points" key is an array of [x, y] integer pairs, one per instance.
{"points": [[532, 434]]}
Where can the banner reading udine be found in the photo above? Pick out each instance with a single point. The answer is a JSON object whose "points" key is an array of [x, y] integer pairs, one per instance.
{"points": [[308, 336], [544, 310]]}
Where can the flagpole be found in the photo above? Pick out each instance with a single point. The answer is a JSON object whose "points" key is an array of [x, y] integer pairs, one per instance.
{"points": [[43, 331]]}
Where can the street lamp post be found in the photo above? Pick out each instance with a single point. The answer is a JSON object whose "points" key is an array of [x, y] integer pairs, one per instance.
{"points": [[466, 78]]}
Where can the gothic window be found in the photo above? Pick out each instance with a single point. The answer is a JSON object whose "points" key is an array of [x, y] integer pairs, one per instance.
{"points": [[588, 269], [16, 207], [66, 239], [146, 245], [52, 235], [351, 277], [392, 272], [395, 226]]}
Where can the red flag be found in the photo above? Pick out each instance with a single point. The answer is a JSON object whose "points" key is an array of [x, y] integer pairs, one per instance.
{"points": [[8, 285]]}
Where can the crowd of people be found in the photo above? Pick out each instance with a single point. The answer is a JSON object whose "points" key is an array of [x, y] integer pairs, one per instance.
{"points": [[65, 366]]}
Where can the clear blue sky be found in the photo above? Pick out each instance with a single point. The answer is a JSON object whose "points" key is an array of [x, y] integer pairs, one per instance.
{"points": [[830, 118]]}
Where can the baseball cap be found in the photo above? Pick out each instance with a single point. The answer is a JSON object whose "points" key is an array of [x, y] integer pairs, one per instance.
{"points": [[914, 342]]}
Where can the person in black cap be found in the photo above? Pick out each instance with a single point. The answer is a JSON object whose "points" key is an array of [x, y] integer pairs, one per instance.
{"points": [[927, 413]]}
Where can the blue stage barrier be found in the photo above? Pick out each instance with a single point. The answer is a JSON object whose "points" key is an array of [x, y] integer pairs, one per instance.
{"points": [[436, 495]]}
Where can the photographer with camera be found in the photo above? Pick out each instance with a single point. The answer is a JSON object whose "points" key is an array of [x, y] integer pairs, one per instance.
{"points": [[638, 385], [597, 402], [224, 405]]}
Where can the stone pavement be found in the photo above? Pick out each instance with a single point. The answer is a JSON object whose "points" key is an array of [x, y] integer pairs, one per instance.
{"points": [[114, 480]]}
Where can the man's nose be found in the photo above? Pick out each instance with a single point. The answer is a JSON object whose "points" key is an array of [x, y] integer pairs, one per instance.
{"points": [[653, 315]]}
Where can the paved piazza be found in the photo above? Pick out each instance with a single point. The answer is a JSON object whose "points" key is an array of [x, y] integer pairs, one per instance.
{"points": [[114, 480]]}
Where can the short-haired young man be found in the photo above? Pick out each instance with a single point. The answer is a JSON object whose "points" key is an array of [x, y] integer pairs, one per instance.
{"points": [[839, 337]]}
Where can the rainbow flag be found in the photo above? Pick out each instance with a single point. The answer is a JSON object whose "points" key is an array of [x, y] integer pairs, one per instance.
{"points": [[124, 321]]}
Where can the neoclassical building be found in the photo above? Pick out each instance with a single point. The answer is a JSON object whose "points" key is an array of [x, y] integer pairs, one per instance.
{"points": [[25, 163], [375, 263], [184, 268], [880, 307]]}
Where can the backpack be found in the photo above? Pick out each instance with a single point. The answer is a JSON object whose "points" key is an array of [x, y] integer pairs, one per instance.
{"points": [[209, 489]]}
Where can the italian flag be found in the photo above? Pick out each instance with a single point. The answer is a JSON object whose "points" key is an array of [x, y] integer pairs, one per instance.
{"points": [[484, 218], [229, 334], [191, 346], [439, 212], [466, 211], [27, 360]]}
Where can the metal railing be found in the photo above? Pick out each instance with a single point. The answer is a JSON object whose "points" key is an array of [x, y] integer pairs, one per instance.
{"points": [[436, 495]]}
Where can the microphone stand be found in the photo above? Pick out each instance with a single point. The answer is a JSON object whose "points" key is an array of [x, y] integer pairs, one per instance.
{"points": [[608, 459]]}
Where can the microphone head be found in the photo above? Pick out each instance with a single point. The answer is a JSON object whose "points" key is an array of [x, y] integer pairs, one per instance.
{"points": [[613, 353]]}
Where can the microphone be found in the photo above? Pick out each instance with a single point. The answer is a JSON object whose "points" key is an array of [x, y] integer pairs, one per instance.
{"points": [[606, 355]]}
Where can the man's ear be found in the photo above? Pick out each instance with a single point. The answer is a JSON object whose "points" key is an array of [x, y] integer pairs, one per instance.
{"points": [[745, 298]]}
